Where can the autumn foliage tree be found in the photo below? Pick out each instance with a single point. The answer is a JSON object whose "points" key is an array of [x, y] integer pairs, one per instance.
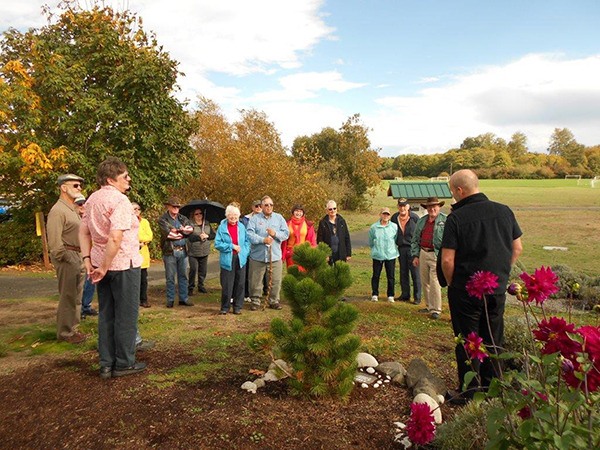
{"points": [[244, 160], [88, 85]]}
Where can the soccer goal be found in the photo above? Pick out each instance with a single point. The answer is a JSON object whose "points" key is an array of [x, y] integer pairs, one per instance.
{"points": [[439, 179]]}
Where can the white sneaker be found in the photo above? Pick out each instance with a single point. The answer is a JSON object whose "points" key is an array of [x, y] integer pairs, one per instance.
{"points": [[247, 300], [391, 299], [374, 299]]}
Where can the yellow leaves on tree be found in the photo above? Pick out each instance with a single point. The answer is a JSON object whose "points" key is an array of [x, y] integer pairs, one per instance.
{"points": [[36, 162]]}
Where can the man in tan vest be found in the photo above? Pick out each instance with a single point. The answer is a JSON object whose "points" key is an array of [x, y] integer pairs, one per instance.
{"points": [[65, 254]]}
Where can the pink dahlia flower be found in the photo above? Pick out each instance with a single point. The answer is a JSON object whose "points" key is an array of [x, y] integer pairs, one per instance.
{"points": [[540, 285], [474, 347], [482, 283], [420, 427]]}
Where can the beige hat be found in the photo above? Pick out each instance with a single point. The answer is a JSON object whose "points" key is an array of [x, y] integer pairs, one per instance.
{"points": [[432, 201], [385, 210], [68, 177]]}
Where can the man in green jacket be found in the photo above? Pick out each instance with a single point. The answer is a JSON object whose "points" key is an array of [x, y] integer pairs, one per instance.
{"points": [[424, 249]]}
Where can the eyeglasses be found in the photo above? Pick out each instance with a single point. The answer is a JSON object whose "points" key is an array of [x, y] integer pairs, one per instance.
{"points": [[76, 185], [197, 214], [268, 204], [331, 209], [257, 206]]}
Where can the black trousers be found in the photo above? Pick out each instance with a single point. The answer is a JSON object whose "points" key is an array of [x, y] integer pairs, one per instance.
{"points": [[199, 267], [469, 314], [232, 286], [390, 272], [144, 286]]}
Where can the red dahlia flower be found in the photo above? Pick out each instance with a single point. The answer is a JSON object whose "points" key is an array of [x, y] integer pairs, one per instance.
{"points": [[420, 427], [474, 347], [541, 285], [553, 333], [482, 283]]}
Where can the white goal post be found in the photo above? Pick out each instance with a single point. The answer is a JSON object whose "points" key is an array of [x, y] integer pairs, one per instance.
{"points": [[439, 179]]}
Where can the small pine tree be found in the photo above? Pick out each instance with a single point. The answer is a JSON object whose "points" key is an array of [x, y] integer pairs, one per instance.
{"points": [[317, 341]]}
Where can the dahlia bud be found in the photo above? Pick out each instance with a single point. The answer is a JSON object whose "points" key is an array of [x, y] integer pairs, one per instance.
{"points": [[514, 289]]}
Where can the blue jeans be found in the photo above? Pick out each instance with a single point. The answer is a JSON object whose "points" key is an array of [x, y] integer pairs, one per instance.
{"points": [[118, 297], [88, 295], [177, 263], [406, 269]]}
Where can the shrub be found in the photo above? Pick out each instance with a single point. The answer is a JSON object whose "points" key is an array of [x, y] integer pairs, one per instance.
{"points": [[473, 417], [317, 341]]}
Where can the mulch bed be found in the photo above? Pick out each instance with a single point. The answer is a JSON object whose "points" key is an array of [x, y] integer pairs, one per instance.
{"points": [[64, 404]]}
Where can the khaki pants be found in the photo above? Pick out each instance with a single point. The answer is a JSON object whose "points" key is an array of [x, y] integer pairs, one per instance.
{"points": [[429, 282], [257, 270], [70, 274]]}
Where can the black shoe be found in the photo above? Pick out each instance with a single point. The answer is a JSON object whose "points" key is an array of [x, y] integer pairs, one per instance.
{"points": [[275, 306], [136, 368], [254, 307], [145, 305], [454, 397], [202, 290], [237, 313], [89, 312], [401, 299], [169, 305], [105, 372], [185, 304], [222, 313]]}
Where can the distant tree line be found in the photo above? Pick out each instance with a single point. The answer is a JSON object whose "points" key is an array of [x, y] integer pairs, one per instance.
{"points": [[492, 157]]}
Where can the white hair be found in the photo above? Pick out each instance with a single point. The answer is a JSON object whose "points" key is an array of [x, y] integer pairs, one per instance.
{"points": [[232, 210], [331, 203]]}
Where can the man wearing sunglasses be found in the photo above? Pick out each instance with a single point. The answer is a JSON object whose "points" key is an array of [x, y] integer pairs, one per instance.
{"points": [[334, 232], [63, 243], [266, 231]]}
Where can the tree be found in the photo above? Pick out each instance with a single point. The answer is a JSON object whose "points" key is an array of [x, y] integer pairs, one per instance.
{"points": [[563, 143], [245, 160], [517, 146], [317, 342], [349, 150], [89, 85]]}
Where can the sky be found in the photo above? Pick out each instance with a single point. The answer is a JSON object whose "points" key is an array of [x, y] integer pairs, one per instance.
{"points": [[422, 74]]}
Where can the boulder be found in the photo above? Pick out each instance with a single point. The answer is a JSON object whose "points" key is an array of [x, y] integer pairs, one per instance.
{"points": [[259, 382], [366, 360], [391, 368], [280, 367], [424, 386], [433, 405], [417, 370]]}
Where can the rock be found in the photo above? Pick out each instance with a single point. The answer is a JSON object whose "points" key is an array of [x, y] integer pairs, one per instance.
{"points": [[270, 375], [366, 360], [280, 367], [400, 425], [259, 382], [249, 386], [370, 370], [364, 385], [399, 379], [424, 386], [433, 405], [391, 368], [360, 377], [440, 399], [417, 370]]}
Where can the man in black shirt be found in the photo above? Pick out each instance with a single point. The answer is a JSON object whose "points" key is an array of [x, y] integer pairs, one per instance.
{"points": [[480, 235]]}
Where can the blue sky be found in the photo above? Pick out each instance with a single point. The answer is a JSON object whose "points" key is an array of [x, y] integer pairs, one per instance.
{"points": [[422, 74]]}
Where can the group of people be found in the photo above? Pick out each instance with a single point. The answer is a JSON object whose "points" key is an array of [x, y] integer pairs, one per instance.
{"points": [[105, 240], [416, 242]]}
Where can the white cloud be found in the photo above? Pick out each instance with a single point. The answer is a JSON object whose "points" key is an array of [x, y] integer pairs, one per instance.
{"points": [[534, 94]]}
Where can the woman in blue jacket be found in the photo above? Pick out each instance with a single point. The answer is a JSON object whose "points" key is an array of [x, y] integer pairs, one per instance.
{"points": [[232, 242]]}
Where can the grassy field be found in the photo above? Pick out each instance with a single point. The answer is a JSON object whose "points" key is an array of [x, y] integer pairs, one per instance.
{"points": [[556, 213]]}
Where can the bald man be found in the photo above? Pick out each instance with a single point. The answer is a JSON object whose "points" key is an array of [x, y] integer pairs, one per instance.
{"points": [[479, 235]]}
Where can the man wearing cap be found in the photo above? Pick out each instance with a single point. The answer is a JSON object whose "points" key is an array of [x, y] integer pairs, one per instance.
{"points": [[266, 231], [480, 235], [174, 229], [424, 249], [113, 263], [89, 288], [382, 241], [65, 253], [407, 222]]}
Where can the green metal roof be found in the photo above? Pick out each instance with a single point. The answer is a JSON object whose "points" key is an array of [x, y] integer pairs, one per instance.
{"points": [[419, 190]]}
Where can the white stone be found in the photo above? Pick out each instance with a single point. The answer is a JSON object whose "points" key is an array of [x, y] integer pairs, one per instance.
{"points": [[270, 376], [388, 377], [376, 385], [440, 399], [370, 370], [366, 360], [364, 385], [400, 425], [433, 405], [249, 386], [386, 381], [259, 382]]}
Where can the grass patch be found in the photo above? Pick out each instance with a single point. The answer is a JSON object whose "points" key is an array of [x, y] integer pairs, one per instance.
{"points": [[186, 373]]}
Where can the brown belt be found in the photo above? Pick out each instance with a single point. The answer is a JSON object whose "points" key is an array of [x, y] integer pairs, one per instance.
{"points": [[426, 249], [72, 247]]}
